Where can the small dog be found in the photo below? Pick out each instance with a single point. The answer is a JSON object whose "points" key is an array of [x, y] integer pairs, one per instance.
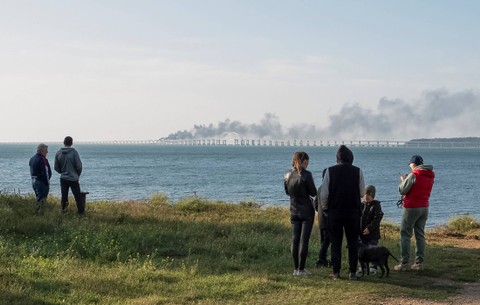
{"points": [[374, 254]]}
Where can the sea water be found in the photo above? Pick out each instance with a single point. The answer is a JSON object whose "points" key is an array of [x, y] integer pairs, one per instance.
{"points": [[248, 173]]}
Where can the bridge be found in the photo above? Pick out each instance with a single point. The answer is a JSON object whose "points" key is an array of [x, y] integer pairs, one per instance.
{"points": [[293, 143], [254, 142]]}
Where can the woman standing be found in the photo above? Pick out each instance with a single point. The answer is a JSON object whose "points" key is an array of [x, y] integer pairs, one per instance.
{"points": [[300, 187]]}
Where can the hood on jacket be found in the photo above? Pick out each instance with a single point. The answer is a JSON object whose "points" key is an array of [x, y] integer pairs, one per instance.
{"points": [[344, 155], [66, 150]]}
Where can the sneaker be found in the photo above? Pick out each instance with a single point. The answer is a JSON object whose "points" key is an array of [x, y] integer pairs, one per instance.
{"points": [[352, 276], [295, 272], [323, 263], [373, 271], [359, 271], [303, 272], [417, 266], [336, 276], [401, 267]]}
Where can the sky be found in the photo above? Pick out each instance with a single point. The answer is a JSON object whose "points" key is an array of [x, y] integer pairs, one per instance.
{"points": [[329, 70]]}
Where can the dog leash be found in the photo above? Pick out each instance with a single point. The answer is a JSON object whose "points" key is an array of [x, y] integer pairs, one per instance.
{"points": [[399, 202]]}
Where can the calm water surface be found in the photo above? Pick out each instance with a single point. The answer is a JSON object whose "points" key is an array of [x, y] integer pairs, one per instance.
{"points": [[242, 173]]}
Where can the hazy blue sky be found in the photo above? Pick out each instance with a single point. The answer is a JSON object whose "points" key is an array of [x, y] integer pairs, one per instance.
{"points": [[120, 70]]}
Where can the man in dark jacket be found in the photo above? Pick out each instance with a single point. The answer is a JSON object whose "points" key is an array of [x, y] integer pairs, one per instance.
{"points": [[69, 166], [342, 189], [41, 173]]}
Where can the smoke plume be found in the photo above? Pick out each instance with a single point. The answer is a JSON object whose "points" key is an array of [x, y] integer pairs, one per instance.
{"points": [[436, 114]]}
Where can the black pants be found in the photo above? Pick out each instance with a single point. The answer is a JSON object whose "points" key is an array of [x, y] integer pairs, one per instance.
{"points": [[301, 230], [324, 244], [340, 221], [75, 186]]}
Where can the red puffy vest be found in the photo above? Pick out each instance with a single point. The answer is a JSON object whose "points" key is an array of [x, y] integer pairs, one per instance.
{"points": [[419, 193]]}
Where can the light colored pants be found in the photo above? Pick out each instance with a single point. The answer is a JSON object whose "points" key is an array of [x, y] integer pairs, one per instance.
{"points": [[413, 221]]}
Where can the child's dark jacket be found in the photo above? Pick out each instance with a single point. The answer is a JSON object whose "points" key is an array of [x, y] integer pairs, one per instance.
{"points": [[371, 216]]}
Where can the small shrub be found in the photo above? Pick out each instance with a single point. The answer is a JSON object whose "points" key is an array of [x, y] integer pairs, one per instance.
{"points": [[159, 200], [251, 204], [194, 204], [463, 223]]}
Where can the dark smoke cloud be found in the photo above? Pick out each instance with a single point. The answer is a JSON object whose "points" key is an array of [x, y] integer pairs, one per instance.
{"points": [[436, 114], [269, 127]]}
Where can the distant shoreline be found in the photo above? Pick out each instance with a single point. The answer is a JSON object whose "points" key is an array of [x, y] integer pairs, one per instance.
{"points": [[473, 142]]}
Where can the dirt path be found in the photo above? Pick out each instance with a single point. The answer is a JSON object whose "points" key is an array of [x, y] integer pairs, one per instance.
{"points": [[456, 241], [468, 295]]}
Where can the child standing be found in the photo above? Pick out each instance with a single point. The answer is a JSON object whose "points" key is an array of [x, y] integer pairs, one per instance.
{"points": [[370, 221]]}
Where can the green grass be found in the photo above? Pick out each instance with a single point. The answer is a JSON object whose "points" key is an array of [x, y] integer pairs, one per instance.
{"points": [[193, 251]]}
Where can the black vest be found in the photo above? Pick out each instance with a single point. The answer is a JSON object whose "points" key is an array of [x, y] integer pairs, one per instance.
{"points": [[343, 189]]}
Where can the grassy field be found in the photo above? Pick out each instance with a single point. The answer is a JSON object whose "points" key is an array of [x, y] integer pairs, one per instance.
{"points": [[198, 252]]}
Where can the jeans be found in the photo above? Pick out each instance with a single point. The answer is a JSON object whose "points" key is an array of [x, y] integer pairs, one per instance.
{"points": [[41, 189], [413, 220], [301, 230], [75, 186], [338, 222]]}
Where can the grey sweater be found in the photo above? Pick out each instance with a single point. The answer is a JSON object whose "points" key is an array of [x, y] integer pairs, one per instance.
{"points": [[68, 164]]}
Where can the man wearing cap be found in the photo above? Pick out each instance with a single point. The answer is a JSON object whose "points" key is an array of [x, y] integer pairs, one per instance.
{"points": [[41, 173], [415, 189]]}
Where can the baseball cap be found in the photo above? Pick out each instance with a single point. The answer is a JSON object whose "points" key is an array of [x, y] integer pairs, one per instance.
{"points": [[417, 159]]}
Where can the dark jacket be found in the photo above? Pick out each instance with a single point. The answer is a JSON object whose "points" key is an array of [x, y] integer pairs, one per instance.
{"points": [[40, 168], [371, 216], [344, 190], [343, 184], [301, 189]]}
